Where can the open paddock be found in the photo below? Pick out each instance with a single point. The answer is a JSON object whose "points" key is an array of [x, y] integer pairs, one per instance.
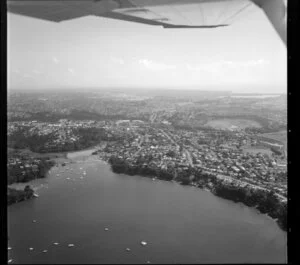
{"points": [[280, 136], [256, 150], [232, 124]]}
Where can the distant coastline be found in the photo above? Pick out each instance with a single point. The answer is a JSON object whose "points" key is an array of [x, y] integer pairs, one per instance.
{"points": [[255, 96]]}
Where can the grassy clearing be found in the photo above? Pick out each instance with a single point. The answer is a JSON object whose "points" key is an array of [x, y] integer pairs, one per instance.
{"points": [[280, 136], [256, 150], [232, 124]]}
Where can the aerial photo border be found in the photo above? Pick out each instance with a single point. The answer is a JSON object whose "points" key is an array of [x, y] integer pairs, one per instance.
{"points": [[293, 8]]}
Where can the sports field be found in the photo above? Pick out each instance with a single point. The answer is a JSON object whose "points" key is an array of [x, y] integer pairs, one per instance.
{"points": [[280, 136], [255, 150], [232, 124]]}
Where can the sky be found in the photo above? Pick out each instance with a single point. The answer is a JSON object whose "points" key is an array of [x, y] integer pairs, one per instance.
{"points": [[94, 53]]}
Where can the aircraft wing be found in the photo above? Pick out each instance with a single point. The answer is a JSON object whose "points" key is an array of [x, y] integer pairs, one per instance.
{"points": [[165, 13], [155, 21]]}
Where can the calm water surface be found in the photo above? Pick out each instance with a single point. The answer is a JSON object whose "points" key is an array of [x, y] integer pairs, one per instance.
{"points": [[180, 224]]}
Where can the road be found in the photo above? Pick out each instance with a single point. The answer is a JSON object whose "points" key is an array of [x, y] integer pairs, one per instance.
{"points": [[169, 137], [139, 146], [189, 157], [153, 117], [187, 153]]}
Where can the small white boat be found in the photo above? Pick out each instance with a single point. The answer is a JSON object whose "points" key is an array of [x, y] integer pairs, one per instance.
{"points": [[55, 243], [106, 229], [71, 245], [35, 195], [9, 248], [45, 251], [10, 260], [143, 243], [31, 249], [128, 249], [67, 178], [34, 221]]}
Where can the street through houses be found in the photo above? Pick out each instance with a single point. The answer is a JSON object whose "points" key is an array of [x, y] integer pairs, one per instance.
{"points": [[140, 145], [227, 178], [186, 152]]}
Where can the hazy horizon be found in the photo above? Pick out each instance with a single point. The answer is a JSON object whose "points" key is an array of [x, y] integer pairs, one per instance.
{"points": [[97, 53], [144, 89]]}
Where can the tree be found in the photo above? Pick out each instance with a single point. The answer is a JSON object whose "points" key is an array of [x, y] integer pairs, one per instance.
{"points": [[27, 188], [171, 153]]}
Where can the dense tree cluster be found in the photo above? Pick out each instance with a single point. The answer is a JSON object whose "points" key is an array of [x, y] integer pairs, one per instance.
{"points": [[14, 196], [265, 201], [20, 139], [17, 174], [276, 151], [87, 137]]}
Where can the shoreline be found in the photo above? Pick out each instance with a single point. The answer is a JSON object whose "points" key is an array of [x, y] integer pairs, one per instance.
{"points": [[65, 158], [275, 220], [212, 189], [58, 158], [91, 149]]}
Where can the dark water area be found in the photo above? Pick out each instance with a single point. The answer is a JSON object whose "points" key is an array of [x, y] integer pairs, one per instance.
{"points": [[180, 224]]}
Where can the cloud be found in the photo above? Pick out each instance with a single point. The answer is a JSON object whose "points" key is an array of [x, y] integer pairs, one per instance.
{"points": [[16, 71], [71, 71], [195, 67], [255, 62], [117, 60], [55, 60], [37, 72], [27, 75], [157, 66], [224, 65]]}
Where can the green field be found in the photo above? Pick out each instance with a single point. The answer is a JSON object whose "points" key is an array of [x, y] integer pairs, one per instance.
{"points": [[232, 124], [255, 150], [280, 136]]}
